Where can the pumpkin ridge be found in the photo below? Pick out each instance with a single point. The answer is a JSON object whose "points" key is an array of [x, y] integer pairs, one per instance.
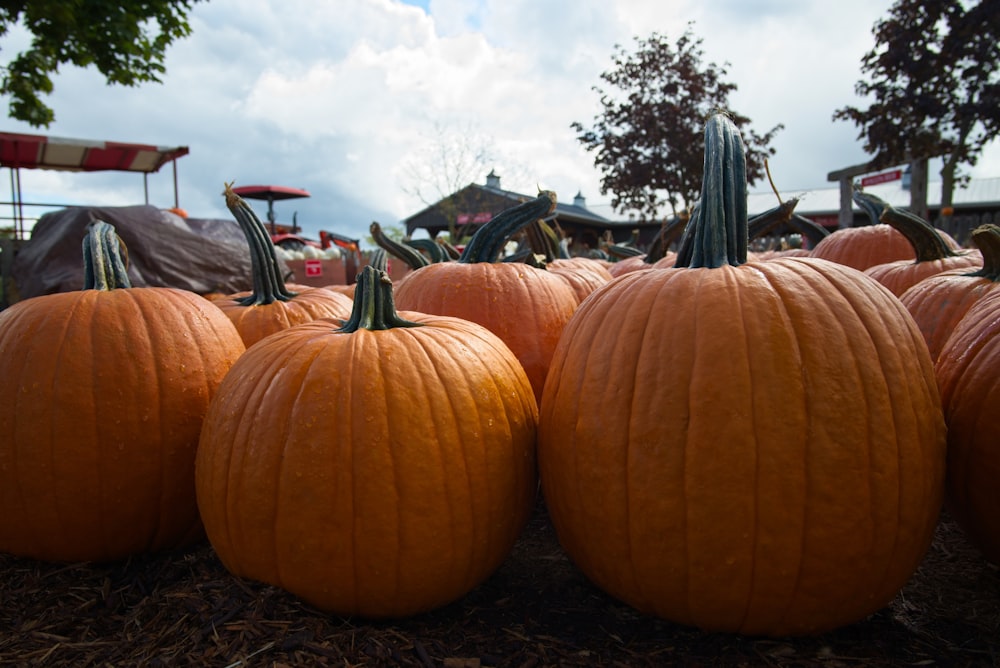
{"points": [[453, 422], [789, 322]]}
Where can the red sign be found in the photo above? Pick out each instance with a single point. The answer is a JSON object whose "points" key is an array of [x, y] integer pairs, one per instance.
{"points": [[314, 267], [884, 177], [481, 217]]}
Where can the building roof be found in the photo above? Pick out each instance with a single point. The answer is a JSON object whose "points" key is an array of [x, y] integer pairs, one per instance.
{"points": [[826, 201]]}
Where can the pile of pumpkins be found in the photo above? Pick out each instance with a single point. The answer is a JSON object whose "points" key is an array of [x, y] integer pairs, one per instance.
{"points": [[757, 446]]}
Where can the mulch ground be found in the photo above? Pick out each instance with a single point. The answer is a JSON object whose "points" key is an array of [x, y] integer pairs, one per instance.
{"points": [[185, 609]]}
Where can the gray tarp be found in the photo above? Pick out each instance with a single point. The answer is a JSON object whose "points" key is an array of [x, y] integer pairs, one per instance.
{"points": [[164, 250]]}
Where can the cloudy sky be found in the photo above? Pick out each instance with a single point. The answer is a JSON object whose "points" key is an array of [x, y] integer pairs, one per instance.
{"points": [[350, 99]]}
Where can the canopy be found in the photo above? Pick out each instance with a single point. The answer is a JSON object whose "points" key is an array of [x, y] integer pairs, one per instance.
{"points": [[81, 155], [270, 192], [78, 155]]}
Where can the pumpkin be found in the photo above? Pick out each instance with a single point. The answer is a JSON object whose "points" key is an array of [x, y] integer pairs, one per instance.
{"points": [[272, 306], [968, 371], [381, 468], [102, 395], [527, 307], [753, 448], [933, 254], [938, 302], [868, 245]]}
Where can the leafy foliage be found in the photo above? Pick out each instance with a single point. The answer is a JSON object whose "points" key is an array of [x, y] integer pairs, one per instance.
{"points": [[126, 40], [933, 83], [648, 139]]}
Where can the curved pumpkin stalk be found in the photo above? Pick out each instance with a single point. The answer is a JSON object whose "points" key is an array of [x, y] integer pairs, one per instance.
{"points": [[452, 252], [105, 258], [542, 240], [763, 223], [413, 258], [926, 242], [670, 231], [487, 242], [268, 285], [809, 229], [433, 249], [621, 251], [987, 240]]}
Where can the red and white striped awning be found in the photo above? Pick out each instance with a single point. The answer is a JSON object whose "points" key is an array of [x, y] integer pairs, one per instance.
{"points": [[81, 155]]}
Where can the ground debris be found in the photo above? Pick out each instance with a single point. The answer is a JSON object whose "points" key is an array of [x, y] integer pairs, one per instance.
{"points": [[185, 609]]}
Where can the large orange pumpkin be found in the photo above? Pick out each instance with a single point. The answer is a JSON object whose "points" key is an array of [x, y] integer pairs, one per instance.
{"points": [[525, 306], [968, 370], [102, 396], [272, 306], [380, 469], [755, 448]]}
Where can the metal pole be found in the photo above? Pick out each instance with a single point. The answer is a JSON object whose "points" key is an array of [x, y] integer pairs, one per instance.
{"points": [[20, 208], [145, 185], [176, 202]]}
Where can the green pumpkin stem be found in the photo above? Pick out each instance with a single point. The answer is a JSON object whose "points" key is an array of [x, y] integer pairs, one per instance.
{"points": [[764, 223], [268, 285], [927, 243], [450, 251], [670, 231], [809, 229], [487, 242], [374, 306], [719, 225], [435, 252], [987, 239], [379, 259], [413, 258], [105, 258]]}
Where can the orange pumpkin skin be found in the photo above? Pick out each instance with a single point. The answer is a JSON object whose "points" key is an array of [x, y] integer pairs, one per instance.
{"points": [[968, 371], [901, 275], [102, 399], [255, 321], [583, 274], [628, 265], [375, 473], [740, 441], [938, 303], [526, 307]]}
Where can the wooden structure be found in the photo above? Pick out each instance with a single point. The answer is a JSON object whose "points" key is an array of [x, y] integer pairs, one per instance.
{"points": [[465, 211]]}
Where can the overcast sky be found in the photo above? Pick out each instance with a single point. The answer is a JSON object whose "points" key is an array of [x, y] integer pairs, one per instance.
{"points": [[343, 98]]}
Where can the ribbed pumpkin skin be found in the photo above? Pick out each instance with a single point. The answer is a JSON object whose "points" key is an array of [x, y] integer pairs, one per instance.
{"points": [[968, 371], [939, 302], [102, 399], [256, 321], [526, 307], [376, 473], [901, 275], [868, 245], [755, 449]]}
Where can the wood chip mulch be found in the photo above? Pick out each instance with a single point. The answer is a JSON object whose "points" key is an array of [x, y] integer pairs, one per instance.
{"points": [[185, 609]]}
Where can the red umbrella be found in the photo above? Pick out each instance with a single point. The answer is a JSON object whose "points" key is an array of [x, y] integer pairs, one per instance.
{"points": [[270, 193]]}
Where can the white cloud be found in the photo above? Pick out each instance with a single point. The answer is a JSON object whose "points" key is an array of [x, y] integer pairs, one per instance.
{"points": [[336, 97]]}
